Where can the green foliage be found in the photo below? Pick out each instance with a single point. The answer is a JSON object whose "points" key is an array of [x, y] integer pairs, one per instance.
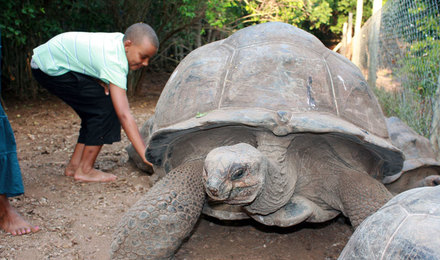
{"points": [[19, 20], [343, 7], [420, 67], [319, 14], [408, 106], [26, 24], [421, 63], [15, 20], [225, 14], [310, 14], [417, 67]]}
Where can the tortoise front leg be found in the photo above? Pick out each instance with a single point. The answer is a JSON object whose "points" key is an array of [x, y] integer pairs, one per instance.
{"points": [[156, 225], [360, 195]]}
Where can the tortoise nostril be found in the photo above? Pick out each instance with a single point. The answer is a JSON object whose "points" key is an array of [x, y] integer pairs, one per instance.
{"points": [[213, 191], [213, 186]]}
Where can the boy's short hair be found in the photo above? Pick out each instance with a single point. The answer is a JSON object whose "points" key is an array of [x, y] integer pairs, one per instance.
{"points": [[136, 32]]}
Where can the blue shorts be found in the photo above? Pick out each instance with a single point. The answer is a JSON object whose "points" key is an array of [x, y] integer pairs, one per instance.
{"points": [[11, 182], [99, 122]]}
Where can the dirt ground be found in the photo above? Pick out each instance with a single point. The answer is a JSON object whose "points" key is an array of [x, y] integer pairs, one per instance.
{"points": [[77, 220]]}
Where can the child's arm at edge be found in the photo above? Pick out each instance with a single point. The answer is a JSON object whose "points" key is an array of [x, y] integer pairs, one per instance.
{"points": [[122, 108]]}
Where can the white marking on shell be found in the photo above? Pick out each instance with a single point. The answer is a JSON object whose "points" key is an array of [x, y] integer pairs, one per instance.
{"points": [[343, 81], [333, 87], [173, 75], [310, 99]]}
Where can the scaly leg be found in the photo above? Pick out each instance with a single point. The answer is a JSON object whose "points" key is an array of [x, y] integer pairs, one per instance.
{"points": [[156, 225]]}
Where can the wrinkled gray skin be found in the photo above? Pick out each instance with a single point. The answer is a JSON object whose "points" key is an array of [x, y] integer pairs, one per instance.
{"points": [[165, 215], [420, 167], [407, 227], [288, 180], [271, 125]]}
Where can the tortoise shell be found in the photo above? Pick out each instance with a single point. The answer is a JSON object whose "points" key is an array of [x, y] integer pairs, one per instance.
{"points": [[416, 148], [406, 227], [272, 76]]}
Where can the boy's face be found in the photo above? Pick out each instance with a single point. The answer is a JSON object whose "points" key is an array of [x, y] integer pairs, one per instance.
{"points": [[138, 55]]}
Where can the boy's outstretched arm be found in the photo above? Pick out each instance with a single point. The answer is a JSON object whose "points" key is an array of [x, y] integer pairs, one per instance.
{"points": [[122, 108]]}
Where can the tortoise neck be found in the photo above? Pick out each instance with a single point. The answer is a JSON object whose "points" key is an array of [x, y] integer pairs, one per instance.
{"points": [[279, 182]]}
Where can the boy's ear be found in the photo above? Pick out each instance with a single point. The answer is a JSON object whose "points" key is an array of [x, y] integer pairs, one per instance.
{"points": [[127, 43]]}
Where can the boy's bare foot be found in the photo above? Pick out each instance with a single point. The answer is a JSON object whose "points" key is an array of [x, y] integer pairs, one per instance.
{"points": [[70, 169], [11, 222], [75, 160], [93, 176]]}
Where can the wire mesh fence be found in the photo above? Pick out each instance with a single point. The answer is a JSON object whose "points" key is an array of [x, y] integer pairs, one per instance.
{"points": [[400, 55]]}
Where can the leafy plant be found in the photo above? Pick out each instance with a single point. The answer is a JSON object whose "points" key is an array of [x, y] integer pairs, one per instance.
{"points": [[418, 67], [408, 106]]}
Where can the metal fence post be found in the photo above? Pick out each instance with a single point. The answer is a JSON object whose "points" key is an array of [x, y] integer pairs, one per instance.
{"points": [[435, 123]]}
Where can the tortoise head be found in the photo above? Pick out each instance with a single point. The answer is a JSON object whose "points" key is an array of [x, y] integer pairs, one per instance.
{"points": [[234, 174]]}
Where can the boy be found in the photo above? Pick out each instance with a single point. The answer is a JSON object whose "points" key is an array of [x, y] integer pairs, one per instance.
{"points": [[89, 71]]}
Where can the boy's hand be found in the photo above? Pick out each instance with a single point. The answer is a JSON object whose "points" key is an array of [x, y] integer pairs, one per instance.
{"points": [[144, 159], [148, 163], [105, 86]]}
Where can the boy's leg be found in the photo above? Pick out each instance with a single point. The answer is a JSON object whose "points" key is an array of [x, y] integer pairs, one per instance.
{"points": [[11, 221], [86, 172], [73, 164], [99, 123]]}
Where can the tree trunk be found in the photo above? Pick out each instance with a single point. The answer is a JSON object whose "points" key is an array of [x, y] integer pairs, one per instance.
{"points": [[373, 43], [349, 49], [350, 28], [357, 34], [199, 34], [435, 124]]}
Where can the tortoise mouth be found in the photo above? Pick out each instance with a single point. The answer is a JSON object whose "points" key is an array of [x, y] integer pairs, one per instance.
{"points": [[243, 195], [215, 194], [234, 195]]}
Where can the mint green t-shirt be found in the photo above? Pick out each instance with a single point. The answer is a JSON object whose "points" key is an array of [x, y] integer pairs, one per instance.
{"points": [[100, 55]]}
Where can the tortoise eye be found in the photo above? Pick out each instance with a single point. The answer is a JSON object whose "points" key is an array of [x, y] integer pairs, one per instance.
{"points": [[238, 174]]}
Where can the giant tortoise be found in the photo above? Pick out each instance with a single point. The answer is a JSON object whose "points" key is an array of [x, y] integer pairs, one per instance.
{"points": [[270, 124], [406, 227], [421, 167]]}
